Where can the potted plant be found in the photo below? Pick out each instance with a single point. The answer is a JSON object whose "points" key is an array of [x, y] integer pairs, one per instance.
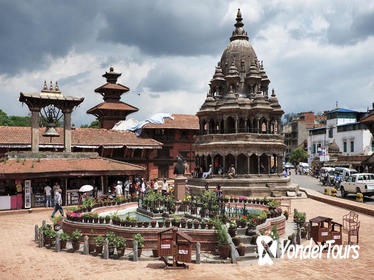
{"points": [[138, 237], [64, 238], [252, 224], [223, 240], [107, 219], [99, 240], [120, 244], [196, 224], [95, 217], [236, 240], [145, 224], [75, 236], [153, 223], [161, 224], [111, 241], [189, 223], [167, 222], [183, 222], [285, 213], [303, 232], [57, 222], [49, 235], [139, 223], [241, 249], [132, 222], [243, 221], [203, 225], [232, 227], [101, 220], [210, 224]]}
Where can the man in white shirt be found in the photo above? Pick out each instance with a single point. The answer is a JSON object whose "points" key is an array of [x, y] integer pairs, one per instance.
{"points": [[155, 186], [127, 188], [48, 196], [118, 188], [164, 187]]}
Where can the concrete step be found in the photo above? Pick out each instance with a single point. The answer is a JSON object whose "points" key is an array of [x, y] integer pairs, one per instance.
{"points": [[241, 231], [247, 256], [245, 239], [250, 248]]}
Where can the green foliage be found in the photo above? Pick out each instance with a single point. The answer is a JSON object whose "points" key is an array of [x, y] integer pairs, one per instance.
{"points": [[274, 233], [299, 217], [111, 238], [99, 240], [298, 155], [64, 236], [75, 235], [209, 199], [138, 237], [56, 220], [223, 237], [6, 120], [120, 242], [94, 124]]}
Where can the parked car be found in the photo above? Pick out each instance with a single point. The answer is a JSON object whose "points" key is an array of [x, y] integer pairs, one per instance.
{"points": [[358, 183]]}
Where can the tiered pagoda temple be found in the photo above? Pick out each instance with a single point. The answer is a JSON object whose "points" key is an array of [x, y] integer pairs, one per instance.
{"points": [[112, 110], [240, 125]]}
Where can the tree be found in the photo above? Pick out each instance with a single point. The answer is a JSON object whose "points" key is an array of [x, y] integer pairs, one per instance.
{"points": [[6, 120], [94, 124], [298, 155]]}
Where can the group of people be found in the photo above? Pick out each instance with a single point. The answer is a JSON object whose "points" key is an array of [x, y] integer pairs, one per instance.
{"points": [[138, 186], [199, 171], [218, 189]]}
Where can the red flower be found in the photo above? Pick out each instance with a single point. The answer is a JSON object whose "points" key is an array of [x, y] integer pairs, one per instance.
{"points": [[253, 220]]}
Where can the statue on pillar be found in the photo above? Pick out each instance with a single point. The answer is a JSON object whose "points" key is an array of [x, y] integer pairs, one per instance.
{"points": [[179, 169]]}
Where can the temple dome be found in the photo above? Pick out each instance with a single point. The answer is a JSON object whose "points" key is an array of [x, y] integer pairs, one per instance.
{"points": [[333, 147], [239, 50]]}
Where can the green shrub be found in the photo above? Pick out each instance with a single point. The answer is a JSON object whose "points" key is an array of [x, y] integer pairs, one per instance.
{"points": [[138, 237]]}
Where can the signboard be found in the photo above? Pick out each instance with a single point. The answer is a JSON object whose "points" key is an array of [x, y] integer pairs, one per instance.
{"points": [[324, 233], [336, 236], [324, 158], [183, 252], [165, 246], [27, 194]]}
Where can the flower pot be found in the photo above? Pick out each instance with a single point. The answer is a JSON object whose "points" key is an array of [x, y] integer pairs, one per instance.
{"points": [[91, 246], [95, 220], [63, 244], [210, 225], [224, 251], [139, 224], [286, 215], [236, 241], [76, 245], [139, 252], [120, 252], [132, 224], [111, 250], [101, 220], [189, 225], [167, 224], [203, 225], [160, 224], [47, 241], [99, 249], [155, 253], [183, 224], [241, 250], [107, 220], [145, 224], [232, 232], [90, 219], [153, 224], [196, 225]]}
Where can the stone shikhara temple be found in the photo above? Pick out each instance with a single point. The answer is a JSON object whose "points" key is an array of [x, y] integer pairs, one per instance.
{"points": [[240, 125]]}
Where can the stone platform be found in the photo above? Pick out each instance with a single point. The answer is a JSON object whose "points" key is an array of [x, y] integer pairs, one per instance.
{"points": [[251, 185]]}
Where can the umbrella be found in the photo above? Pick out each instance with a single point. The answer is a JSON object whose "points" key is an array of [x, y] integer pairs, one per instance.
{"points": [[86, 188]]}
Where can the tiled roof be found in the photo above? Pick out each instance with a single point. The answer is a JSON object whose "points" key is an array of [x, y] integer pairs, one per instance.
{"points": [[367, 119], [87, 166], [112, 86], [120, 106], [180, 121], [12, 135]]}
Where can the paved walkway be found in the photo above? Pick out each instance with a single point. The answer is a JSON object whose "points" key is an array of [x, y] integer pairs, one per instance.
{"points": [[20, 257]]}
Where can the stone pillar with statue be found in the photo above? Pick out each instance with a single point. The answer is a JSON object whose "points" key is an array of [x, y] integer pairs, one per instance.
{"points": [[180, 180]]}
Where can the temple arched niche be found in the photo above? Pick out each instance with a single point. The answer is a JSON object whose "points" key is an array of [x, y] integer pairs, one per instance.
{"points": [[242, 164], [217, 163], [229, 161], [230, 125], [253, 163]]}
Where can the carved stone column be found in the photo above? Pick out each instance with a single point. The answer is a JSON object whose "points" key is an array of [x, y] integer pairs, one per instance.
{"points": [[35, 130], [236, 124], [67, 130], [258, 165]]}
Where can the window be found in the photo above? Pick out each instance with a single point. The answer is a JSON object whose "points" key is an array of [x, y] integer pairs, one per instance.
{"points": [[314, 149], [331, 132], [372, 146], [352, 146], [345, 147]]}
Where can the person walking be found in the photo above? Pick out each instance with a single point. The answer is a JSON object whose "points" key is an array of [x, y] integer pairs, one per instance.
{"points": [[118, 188], [58, 204], [56, 187]]}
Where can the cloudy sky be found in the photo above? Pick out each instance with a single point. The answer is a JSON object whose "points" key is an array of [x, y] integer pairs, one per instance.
{"points": [[315, 52]]}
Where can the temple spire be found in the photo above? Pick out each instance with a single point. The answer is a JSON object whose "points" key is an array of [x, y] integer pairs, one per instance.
{"points": [[239, 32]]}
